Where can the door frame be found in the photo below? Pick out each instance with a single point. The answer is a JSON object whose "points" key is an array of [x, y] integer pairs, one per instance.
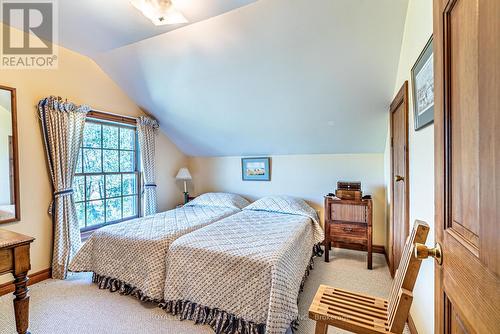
{"points": [[400, 98]]}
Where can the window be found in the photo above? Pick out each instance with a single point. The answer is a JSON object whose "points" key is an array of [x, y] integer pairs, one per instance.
{"points": [[106, 182]]}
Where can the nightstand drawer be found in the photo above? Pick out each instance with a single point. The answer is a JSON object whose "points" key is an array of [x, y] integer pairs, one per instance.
{"points": [[349, 212], [348, 231]]}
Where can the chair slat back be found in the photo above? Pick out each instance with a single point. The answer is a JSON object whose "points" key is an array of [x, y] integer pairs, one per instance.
{"points": [[406, 276]]}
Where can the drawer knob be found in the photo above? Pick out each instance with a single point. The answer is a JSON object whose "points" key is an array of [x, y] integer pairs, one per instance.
{"points": [[347, 229]]}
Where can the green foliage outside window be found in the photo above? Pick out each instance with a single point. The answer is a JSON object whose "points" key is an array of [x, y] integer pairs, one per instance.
{"points": [[106, 181]]}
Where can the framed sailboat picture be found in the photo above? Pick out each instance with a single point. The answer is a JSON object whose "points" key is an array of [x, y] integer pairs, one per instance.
{"points": [[256, 169], [422, 76]]}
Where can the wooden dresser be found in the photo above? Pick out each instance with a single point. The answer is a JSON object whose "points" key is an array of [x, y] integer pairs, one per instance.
{"points": [[15, 259], [348, 224]]}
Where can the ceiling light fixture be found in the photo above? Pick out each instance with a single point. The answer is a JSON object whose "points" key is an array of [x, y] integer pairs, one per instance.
{"points": [[160, 12]]}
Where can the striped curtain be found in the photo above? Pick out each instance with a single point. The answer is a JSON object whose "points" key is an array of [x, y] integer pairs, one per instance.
{"points": [[147, 129], [62, 126]]}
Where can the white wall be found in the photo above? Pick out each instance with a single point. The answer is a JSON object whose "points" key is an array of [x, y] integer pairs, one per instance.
{"points": [[306, 176], [418, 29], [5, 132]]}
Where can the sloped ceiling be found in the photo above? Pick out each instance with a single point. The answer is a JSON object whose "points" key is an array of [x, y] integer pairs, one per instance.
{"points": [[265, 77], [93, 26], [273, 77]]}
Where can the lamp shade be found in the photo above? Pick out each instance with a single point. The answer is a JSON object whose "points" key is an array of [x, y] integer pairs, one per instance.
{"points": [[183, 174]]}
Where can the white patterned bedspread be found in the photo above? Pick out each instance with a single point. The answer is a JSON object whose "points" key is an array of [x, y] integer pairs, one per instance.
{"points": [[134, 252], [249, 265]]}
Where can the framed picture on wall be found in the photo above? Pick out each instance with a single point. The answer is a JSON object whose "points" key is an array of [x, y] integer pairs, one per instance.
{"points": [[422, 77], [256, 169]]}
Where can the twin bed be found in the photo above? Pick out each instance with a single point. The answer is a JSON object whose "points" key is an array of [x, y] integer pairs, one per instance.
{"points": [[218, 260]]}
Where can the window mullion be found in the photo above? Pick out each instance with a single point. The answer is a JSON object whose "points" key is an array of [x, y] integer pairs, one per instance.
{"points": [[105, 200], [103, 177], [121, 193], [85, 198], [119, 151]]}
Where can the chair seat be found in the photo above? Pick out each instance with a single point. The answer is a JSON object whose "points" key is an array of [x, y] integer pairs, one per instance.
{"points": [[349, 310]]}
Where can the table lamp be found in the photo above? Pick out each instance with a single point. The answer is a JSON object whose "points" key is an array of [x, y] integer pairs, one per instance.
{"points": [[184, 175]]}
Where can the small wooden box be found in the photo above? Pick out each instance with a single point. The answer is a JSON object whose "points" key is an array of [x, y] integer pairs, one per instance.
{"points": [[349, 194], [349, 185], [349, 190]]}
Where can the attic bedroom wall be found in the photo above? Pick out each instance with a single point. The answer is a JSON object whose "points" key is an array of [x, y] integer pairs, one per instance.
{"points": [[79, 80], [418, 30], [308, 176]]}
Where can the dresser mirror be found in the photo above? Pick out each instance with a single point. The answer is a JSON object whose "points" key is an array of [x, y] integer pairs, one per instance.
{"points": [[9, 175]]}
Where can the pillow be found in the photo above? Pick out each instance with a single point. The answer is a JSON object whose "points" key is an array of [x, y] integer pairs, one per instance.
{"points": [[284, 204], [221, 200]]}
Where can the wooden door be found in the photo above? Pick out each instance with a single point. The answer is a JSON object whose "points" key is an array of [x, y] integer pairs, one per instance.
{"points": [[399, 174], [467, 157]]}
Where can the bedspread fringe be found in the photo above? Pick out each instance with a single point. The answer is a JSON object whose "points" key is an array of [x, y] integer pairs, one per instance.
{"points": [[317, 252], [220, 321], [116, 285]]}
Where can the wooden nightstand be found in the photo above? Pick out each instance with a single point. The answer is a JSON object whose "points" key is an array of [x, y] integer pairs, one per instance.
{"points": [[348, 224]]}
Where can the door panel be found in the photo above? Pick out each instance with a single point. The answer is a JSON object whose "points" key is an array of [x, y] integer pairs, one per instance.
{"points": [[467, 151], [456, 324], [462, 45], [489, 136], [399, 171]]}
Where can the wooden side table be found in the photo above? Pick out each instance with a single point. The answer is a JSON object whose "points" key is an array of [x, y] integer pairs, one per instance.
{"points": [[348, 224], [15, 259]]}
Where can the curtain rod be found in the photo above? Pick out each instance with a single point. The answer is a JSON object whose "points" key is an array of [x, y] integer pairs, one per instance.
{"points": [[113, 114]]}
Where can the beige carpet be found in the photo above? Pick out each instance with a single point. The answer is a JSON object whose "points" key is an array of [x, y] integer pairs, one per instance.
{"points": [[77, 306]]}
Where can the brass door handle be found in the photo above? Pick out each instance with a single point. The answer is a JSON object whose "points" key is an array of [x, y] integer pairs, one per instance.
{"points": [[423, 252], [398, 178]]}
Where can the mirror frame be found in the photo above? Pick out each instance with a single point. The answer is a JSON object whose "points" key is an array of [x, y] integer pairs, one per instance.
{"points": [[17, 204]]}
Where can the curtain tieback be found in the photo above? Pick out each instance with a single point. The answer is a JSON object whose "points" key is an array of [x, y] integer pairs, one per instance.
{"points": [[148, 186], [58, 194], [65, 192]]}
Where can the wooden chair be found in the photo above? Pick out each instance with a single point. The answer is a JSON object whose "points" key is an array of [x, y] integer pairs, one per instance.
{"points": [[365, 314]]}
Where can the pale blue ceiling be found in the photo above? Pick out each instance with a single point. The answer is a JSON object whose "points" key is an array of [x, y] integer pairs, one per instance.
{"points": [[271, 77], [92, 26]]}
